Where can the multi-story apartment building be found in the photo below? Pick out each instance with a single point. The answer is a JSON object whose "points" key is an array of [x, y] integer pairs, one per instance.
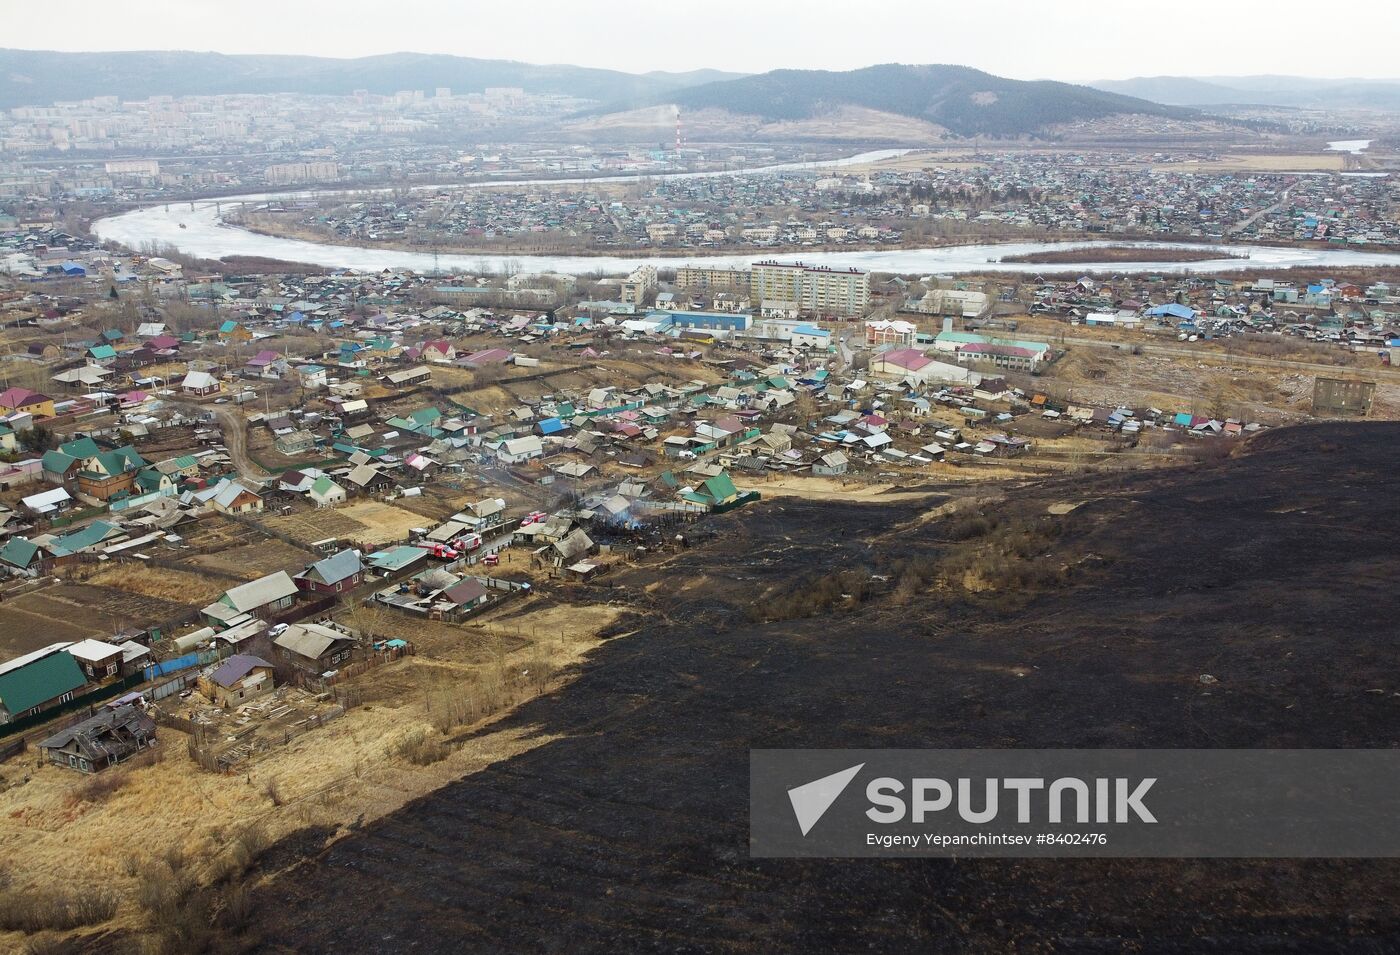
{"points": [[288, 172], [637, 285], [697, 278], [140, 168], [813, 289]]}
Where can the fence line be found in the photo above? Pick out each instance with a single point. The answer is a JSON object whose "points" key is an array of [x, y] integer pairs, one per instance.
{"points": [[376, 659]]}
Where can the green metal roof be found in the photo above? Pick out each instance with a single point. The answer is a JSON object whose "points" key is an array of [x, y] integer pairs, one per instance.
{"points": [[18, 552], [721, 488], [40, 681], [89, 536], [83, 447], [120, 461], [56, 462]]}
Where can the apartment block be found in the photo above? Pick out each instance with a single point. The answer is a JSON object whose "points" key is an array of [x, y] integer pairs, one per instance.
{"points": [[637, 285], [814, 289], [695, 278], [289, 172]]}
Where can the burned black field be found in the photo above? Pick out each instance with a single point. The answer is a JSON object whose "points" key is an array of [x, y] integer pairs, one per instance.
{"points": [[992, 623]]}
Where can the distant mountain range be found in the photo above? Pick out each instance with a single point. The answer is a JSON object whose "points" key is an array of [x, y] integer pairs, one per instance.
{"points": [[961, 100], [40, 77], [891, 102], [1284, 91]]}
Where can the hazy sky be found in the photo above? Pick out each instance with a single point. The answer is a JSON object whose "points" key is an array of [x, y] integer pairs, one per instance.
{"points": [[1025, 39]]}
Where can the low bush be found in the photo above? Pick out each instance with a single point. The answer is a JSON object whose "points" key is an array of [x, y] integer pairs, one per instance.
{"points": [[52, 910], [962, 527], [842, 589], [419, 749]]}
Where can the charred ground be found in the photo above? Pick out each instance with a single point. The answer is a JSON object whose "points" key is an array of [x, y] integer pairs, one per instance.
{"points": [[948, 623]]}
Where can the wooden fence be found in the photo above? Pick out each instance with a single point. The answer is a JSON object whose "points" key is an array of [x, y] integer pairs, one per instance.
{"points": [[214, 756], [350, 671]]}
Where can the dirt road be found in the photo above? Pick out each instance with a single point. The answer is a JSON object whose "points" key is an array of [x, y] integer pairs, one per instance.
{"points": [[235, 430], [1246, 223]]}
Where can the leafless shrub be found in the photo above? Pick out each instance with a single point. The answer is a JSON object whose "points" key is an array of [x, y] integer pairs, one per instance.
{"points": [[419, 749], [51, 910], [915, 576], [843, 589], [963, 527], [235, 908], [245, 848], [186, 930], [539, 672], [161, 891], [174, 858], [99, 786], [482, 695], [1209, 450]]}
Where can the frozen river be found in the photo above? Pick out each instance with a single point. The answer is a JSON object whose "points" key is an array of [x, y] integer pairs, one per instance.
{"points": [[196, 229]]}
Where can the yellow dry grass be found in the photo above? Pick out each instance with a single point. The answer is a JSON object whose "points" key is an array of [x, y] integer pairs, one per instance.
{"points": [[1262, 162], [832, 489], [173, 585], [448, 377], [351, 771], [383, 523], [492, 399]]}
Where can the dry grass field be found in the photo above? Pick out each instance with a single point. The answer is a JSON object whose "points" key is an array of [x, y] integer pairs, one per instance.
{"points": [[161, 583], [382, 523], [74, 611], [423, 723], [1261, 162], [251, 561], [311, 526], [372, 522]]}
